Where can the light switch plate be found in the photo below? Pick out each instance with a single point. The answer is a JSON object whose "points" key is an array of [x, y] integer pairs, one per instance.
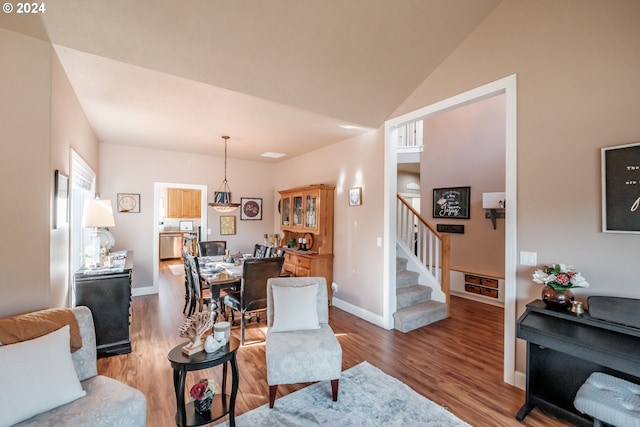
{"points": [[528, 258]]}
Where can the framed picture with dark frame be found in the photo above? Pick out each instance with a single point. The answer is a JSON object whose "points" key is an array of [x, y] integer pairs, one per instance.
{"points": [[250, 208], [451, 202], [61, 200], [227, 225], [621, 188]]}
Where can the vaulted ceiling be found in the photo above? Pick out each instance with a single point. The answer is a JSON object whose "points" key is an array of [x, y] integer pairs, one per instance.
{"points": [[286, 76]]}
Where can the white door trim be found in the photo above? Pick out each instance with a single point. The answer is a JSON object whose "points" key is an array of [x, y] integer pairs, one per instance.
{"points": [[507, 86]]}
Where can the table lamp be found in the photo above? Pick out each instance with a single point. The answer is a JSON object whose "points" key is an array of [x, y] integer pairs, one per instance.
{"points": [[97, 213]]}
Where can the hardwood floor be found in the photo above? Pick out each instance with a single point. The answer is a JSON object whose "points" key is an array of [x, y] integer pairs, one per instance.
{"points": [[456, 363]]}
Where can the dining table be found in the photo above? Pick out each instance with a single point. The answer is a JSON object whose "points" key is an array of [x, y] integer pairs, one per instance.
{"points": [[219, 275]]}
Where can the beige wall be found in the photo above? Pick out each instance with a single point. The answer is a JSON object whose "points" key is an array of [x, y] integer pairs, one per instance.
{"points": [[126, 169], [40, 124], [69, 129], [577, 67], [357, 162], [466, 147], [26, 185]]}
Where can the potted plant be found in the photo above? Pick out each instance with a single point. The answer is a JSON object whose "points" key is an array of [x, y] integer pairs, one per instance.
{"points": [[558, 280], [202, 394]]}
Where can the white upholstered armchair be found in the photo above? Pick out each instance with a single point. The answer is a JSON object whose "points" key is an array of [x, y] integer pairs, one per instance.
{"points": [[300, 344]]}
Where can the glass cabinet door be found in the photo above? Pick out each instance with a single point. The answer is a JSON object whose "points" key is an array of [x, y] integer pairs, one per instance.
{"points": [[297, 211], [311, 201], [285, 211]]}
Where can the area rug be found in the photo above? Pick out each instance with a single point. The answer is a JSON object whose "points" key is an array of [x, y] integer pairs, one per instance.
{"points": [[176, 269], [367, 397]]}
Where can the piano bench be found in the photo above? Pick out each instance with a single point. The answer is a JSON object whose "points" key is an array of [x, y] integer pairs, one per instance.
{"points": [[609, 399]]}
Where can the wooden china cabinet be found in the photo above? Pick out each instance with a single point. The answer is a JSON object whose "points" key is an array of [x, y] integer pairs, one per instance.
{"points": [[307, 213]]}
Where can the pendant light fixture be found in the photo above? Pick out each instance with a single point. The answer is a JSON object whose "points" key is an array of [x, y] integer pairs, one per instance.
{"points": [[222, 202]]}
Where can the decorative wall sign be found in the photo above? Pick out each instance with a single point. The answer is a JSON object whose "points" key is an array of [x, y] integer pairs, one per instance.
{"points": [[450, 228], [129, 202], [61, 200], [355, 196], [251, 208], [452, 202], [227, 225], [621, 189]]}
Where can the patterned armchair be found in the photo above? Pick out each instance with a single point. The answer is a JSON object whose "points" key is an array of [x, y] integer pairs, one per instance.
{"points": [[300, 344]]}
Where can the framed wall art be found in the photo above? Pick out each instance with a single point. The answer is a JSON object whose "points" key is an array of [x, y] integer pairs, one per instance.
{"points": [[355, 196], [128, 202], [61, 200], [451, 202], [227, 225], [250, 208], [621, 189]]}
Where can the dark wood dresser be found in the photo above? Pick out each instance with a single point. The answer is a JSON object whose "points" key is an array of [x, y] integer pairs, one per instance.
{"points": [[108, 295]]}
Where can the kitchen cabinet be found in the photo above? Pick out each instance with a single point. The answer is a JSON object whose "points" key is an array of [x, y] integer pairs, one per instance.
{"points": [[108, 296], [183, 203], [307, 213]]}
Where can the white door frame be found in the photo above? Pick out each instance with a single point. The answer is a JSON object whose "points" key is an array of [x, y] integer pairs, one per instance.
{"points": [[507, 86], [157, 188]]}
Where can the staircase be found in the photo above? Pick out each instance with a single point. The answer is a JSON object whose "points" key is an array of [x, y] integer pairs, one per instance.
{"points": [[414, 306], [422, 271]]}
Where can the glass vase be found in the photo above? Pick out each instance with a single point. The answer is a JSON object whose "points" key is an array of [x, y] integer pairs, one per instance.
{"points": [[557, 299]]}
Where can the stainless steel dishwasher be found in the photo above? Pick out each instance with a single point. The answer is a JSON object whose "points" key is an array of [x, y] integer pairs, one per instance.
{"points": [[170, 245]]}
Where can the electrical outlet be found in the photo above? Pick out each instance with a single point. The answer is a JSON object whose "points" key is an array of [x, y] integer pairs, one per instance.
{"points": [[334, 287], [528, 258]]}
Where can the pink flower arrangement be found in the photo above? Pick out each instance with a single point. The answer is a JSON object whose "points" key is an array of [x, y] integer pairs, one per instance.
{"points": [[560, 277], [203, 389]]}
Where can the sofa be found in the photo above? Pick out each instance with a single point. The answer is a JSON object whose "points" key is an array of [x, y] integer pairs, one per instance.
{"points": [[107, 402]]}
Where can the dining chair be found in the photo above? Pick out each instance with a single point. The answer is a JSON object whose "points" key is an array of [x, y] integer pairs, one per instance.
{"points": [[260, 251], [212, 248], [274, 252], [200, 295], [252, 296], [300, 345], [187, 281]]}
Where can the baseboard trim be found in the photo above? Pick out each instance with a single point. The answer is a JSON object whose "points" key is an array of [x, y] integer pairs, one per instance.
{"points": [[521, 380], [359, 312], [148, 290]]}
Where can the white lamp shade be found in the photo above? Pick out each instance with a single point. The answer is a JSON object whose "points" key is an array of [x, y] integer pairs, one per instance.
{"points": [[98, 213]]}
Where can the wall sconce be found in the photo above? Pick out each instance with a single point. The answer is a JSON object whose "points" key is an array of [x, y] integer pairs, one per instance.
{"points": [[494, 201]]}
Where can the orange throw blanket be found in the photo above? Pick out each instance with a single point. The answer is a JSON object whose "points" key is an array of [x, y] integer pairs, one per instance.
{"points": [[38, 323]]}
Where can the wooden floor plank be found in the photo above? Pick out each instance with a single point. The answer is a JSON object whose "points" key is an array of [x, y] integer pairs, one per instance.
{"points": [[456, 363]]}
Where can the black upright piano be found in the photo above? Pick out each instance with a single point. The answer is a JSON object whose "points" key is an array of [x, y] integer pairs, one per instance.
{"points": [[563, 349]]}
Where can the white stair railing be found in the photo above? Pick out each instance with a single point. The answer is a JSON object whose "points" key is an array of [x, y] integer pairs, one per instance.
{"points": [[431, 248]]}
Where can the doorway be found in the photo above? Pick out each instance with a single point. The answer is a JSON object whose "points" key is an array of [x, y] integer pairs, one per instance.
{"points": [[505, 86], [159, 202]]}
